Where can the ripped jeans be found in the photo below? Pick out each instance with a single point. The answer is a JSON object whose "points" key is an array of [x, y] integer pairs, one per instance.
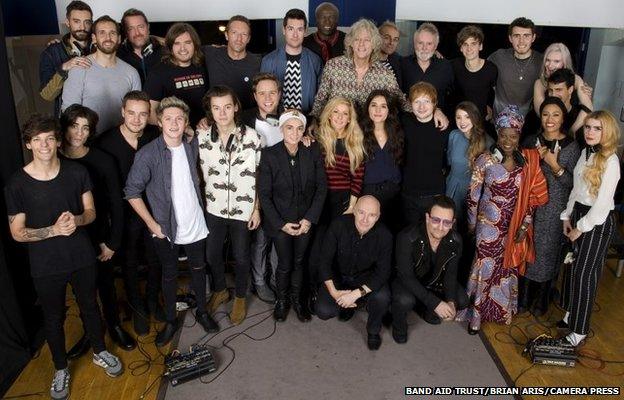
{"points": [[168, 255]]}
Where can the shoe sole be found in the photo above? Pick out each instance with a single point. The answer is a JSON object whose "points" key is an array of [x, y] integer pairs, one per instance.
{"points": [[111, 374]]}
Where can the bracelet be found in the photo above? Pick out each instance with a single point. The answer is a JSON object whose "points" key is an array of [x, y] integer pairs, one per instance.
{"points": [[560, 172]]}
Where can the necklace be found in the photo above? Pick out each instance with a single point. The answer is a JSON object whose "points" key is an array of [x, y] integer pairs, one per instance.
{"points": [[521, 69], [474, 69]]}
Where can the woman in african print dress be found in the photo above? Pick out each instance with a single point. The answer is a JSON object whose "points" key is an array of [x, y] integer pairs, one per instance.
{"points": [[506, 187]]}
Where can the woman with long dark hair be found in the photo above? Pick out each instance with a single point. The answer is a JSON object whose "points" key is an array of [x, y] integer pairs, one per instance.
{"points": [[559, 153], [383, 142], [588, 222], [465, 144]]}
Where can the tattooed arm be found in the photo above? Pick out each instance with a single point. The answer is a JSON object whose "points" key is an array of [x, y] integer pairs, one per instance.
{"points": [[64, 226]]}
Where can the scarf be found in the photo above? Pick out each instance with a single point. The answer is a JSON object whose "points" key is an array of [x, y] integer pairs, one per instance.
{"points": [[326, 45], [589, 150], [533, 193]]}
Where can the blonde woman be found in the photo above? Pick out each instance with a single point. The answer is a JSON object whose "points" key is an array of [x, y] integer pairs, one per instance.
{"points": [[557, 56], [342, 144], [588, 222]]}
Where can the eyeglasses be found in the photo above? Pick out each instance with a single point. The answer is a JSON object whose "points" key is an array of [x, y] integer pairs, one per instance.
{"points": [[447, 223]]}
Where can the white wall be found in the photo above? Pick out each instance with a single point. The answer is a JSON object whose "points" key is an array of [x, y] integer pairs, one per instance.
{"points": [[190, 10], [575, 13]]}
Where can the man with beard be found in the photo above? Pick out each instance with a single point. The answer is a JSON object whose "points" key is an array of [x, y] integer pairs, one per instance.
{"points": [[139, 49], [71, 52], [102, 86], [424, 66], [518, 67], [122, 142], [327, 41], [234, 66], [297, 68], [390, 36]]}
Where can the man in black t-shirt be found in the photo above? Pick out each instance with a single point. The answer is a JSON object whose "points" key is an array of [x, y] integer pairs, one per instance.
{"points": [[234, 66], [54, 198], [122, 143], [181, 73]]}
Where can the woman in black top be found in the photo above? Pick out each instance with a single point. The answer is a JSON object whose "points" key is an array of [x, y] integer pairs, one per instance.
{"points": [[77, 124], [292, 186], [383, 142]]}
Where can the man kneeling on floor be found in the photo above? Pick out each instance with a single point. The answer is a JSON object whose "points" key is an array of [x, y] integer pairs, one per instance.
{"points": [[427, 258], [355, 266]]}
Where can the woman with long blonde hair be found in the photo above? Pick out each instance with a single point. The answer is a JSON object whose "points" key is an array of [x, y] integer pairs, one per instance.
{"points": [[342, 144], [588, 222]]}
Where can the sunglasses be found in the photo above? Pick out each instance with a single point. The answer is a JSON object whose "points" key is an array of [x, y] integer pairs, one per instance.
{"points": [[447, 223]]}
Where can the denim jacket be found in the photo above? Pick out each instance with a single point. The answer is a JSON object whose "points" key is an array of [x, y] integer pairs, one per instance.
{"points": [[311, 68], [151, 173]]}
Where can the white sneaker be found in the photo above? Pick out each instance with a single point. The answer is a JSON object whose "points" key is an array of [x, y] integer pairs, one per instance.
{"points": [[111, 364], [59, 390]]}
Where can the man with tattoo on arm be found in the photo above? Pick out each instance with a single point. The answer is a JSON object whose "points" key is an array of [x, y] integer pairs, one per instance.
{"points": [[49, 202]]}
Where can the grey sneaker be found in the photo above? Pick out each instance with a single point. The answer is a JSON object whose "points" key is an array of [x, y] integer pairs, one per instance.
{"points": [[265, 293], [60, 385], [111, 364]]}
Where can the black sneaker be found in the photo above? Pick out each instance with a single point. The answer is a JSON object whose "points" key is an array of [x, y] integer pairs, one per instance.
{"points": [[166, 334], [207, 322], [122, 338], [79, 349]]}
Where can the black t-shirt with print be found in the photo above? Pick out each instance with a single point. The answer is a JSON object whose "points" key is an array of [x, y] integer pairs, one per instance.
{"points": [[186, 83]]}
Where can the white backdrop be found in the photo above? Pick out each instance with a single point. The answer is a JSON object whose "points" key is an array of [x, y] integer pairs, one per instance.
{"points": [[190, 10], [576, 13]]}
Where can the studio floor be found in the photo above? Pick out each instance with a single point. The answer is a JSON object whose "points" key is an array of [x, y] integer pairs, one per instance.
{"points": [[329, 359]]}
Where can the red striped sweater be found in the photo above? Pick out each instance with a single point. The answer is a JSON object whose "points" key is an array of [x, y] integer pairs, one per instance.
{"points": [[339, 177]]}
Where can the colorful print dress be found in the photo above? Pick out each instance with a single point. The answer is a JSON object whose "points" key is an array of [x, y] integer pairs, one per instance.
{"points": [[491, 202]]}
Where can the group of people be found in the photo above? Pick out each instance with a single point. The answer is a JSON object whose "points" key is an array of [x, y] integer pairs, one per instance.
{"points": [[328, 165]]}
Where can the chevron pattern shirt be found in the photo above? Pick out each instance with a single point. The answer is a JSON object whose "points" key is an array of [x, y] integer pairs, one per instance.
{"points": [[291, 95]]}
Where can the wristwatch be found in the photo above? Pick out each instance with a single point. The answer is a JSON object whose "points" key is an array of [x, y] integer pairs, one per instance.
{"points": [[362, 291]]}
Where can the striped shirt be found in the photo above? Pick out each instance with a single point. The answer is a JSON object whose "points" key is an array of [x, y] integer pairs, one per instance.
{"points": [[339, 176]]}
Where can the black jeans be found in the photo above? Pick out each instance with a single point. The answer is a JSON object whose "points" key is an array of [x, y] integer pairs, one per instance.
{"points": [[377, 303], [138, 242], [51, 291], [291, 251], [108, 293], [168, 255], [240, 239], [403, 301]]}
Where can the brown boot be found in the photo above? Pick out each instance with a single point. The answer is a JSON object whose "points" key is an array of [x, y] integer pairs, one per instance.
{"points": [[217, 299], [239, 311]]}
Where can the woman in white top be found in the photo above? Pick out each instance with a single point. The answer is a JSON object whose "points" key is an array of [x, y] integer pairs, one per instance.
{"points": [[587, 221]]}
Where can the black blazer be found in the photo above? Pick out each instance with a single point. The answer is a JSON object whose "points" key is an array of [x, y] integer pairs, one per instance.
{"points": [[276, 188]]}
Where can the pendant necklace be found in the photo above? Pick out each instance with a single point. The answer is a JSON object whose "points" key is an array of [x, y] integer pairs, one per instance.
{"points": [[521, 69]]}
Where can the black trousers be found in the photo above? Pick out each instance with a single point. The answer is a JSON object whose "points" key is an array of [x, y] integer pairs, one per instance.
{"points": [[291, 251], [581, 278], [51, 291], [108, 293], [414, 207], [168, 255], [136, 243], [403, 301], [240, 239], [377, 303]]}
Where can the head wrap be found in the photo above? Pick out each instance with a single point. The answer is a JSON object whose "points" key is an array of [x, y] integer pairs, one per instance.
{"points": [[510, 117], [292, 114]]}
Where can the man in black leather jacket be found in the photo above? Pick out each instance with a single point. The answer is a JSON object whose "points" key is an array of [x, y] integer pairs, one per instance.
{"points": [[427, 258]]}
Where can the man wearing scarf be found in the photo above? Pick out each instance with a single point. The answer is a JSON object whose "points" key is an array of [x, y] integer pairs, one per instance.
{"points": [[327, 41]]}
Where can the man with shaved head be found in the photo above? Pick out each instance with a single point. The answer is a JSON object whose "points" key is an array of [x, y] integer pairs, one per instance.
{"points": [[327, 41], [355, 267]]}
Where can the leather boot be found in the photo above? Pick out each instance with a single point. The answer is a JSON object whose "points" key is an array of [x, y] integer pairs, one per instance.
{"points": [[540, 307], [217, 299], [167, 333], [121, 338], [79, 349], [523, 294], [281, 310], [301, 309], [239, 310]]}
